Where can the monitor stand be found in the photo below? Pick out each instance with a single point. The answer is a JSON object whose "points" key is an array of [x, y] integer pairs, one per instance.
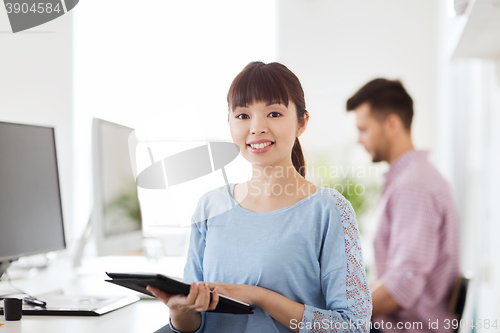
{"points": [[80, 245], [3, 267]]}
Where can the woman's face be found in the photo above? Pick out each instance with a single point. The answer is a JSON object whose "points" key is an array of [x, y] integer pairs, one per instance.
{"points": [[265, 132]]}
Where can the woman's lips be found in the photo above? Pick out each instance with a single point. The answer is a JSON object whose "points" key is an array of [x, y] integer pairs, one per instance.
{"points": [[260, 150]]}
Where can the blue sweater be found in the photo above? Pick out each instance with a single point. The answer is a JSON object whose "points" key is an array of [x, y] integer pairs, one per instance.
{"points": [[309, 252]]}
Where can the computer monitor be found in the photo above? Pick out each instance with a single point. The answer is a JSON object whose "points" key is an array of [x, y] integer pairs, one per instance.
{"points": [[31, 219], [117, 223]]}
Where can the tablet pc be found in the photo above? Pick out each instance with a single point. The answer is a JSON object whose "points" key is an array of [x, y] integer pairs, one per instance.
{"points": [[139, 282]]}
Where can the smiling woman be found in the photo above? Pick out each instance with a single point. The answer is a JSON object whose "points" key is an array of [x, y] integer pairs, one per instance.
{"points": [[280, 94], [276, 241]]}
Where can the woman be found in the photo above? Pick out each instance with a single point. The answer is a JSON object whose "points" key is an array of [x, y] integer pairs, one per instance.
{"points": [[276, 241]]}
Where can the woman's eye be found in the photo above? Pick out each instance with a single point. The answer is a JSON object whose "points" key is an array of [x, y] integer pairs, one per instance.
{"points": [[274, 114], [242, 116]]}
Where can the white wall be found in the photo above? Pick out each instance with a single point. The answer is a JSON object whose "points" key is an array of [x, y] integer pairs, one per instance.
{"points": [[335, 47], [469, 152], [471, 119], [36, 88]]}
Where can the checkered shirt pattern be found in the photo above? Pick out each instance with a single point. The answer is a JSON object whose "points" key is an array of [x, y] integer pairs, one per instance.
{"points": [[416, 245]]}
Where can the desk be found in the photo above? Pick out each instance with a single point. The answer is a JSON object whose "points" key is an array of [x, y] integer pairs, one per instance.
{"points": [[146, 315]]}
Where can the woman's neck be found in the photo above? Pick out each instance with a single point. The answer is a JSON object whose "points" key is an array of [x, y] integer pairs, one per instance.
{"points": [[277, 180]]}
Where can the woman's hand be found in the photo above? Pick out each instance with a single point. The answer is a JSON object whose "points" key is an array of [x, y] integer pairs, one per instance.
{"points": [[198, 298], [241, 292], [184, 309]]}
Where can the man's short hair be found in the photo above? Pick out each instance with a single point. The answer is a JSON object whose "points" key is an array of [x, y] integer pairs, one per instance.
{"points": [[384, 97]]}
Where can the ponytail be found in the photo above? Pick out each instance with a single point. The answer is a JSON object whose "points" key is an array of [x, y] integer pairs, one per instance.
{"points": [[298, 158]]}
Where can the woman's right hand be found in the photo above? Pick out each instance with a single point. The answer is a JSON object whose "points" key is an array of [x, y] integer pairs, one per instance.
{"points": [[182, 306]]}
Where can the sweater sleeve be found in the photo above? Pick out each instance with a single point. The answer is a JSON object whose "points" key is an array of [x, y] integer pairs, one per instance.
{"points": [[343, 279], [193, 271]]}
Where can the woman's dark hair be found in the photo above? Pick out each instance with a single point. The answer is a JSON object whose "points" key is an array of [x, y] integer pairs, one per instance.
{"points": [[384, 97], [271, 83]]}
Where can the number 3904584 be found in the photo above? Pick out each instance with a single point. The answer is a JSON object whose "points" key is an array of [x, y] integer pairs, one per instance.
{"points": [[36, 8]]}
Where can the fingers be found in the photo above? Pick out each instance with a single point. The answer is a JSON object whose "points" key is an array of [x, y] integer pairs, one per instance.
{"points": [[198, 298], [203, 300], [215, 295], [193, 293], [163, 296], [215, 300]]}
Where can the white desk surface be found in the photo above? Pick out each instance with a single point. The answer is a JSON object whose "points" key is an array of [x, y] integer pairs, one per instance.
{"points": [[146, 315]]}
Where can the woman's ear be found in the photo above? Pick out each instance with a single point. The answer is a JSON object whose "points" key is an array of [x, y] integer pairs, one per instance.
{"points": [[302, 128]]}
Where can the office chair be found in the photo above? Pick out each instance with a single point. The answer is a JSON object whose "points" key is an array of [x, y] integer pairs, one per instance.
{"points": [[165, 329], [458, 296]]}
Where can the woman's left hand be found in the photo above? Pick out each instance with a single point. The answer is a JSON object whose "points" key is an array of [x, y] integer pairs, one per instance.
{"points": [[241, 292]]}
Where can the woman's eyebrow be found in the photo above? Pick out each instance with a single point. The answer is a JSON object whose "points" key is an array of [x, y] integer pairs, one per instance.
{"points": [[238, 106]]}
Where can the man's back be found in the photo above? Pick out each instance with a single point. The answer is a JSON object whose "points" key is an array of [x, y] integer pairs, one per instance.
{"points": [[416, 245]]}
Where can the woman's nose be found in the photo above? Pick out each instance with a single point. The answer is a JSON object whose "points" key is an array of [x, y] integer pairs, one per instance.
{"points": [[259, 126]]}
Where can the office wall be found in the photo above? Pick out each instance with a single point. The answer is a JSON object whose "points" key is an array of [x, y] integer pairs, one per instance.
{"points": [[469, 152], [36, 88], [336, 46], [471, 118]]}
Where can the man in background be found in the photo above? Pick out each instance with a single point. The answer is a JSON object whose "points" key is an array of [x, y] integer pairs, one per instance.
{"points": [[416, 242]]}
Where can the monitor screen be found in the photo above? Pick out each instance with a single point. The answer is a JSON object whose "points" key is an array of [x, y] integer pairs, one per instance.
{"points": [[31, 218], [117, 214]]}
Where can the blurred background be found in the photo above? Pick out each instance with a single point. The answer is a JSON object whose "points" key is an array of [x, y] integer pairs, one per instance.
{"points": [[163, 68]]}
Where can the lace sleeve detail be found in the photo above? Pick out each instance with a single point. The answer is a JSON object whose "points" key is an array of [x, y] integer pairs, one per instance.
{"points": [[357, 314]]}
